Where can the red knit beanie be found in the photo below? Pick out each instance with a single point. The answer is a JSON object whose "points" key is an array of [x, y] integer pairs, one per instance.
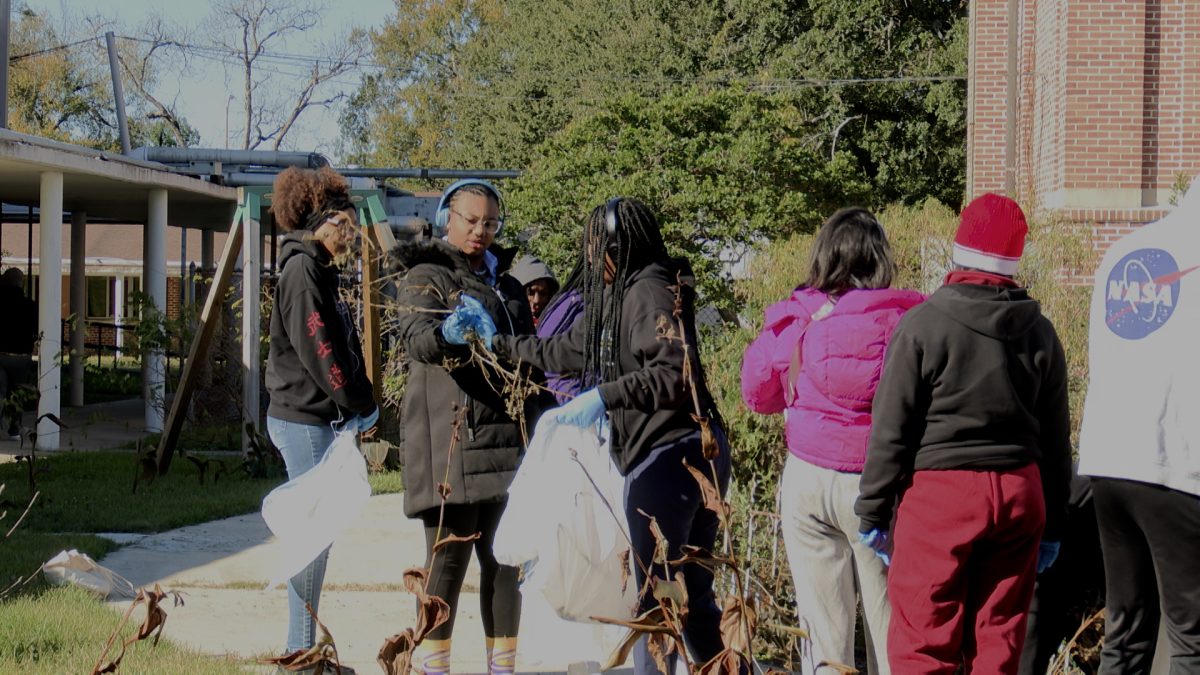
{"points": [[991, 235]]}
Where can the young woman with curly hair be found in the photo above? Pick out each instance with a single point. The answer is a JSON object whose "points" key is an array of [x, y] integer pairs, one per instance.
{"points": [[315, 371]]}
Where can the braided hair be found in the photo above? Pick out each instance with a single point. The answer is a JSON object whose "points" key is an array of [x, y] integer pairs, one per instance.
{"points": [[635, 242]]}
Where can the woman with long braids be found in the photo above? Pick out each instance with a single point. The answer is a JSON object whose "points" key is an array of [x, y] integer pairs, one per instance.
{"points": [[628, 351], [460, 443], [315, 369]]}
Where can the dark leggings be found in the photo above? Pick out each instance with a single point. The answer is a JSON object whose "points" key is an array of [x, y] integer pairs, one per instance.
{"points": [[499, 598], [660, 486]]}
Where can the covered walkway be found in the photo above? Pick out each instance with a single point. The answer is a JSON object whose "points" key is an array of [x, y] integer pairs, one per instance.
{"points": [[59, 178]]}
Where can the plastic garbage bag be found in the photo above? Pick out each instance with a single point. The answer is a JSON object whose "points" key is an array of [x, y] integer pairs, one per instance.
{"points": [[78, 569], [307, 514], [565, 516]]}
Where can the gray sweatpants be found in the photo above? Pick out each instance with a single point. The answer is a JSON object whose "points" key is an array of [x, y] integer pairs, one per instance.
{"points": [[830, 568]]}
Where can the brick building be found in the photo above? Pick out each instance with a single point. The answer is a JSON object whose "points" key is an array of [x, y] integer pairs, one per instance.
{"points": [[1089, 109]]}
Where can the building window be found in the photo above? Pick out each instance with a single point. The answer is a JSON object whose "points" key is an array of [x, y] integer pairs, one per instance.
{"points": [[100, 297]]}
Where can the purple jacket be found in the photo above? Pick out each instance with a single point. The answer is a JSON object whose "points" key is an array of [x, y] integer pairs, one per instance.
{"points": [[558, 318], [829, 420]]}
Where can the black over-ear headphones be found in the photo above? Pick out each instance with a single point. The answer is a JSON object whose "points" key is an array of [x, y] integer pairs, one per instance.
{"points": [[610, 221]]}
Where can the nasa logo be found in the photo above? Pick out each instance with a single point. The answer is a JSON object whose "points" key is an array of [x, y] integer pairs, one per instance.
{"points": [[1142, 292]]}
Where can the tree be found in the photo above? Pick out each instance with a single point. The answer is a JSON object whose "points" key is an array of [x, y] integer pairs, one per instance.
{"points": [[245, 30], [53, 93], [722, 169], [472, 83]]}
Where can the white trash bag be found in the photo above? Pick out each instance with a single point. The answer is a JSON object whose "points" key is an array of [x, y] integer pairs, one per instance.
{"points": [[557, 518], [307, 514], [78, 569]]}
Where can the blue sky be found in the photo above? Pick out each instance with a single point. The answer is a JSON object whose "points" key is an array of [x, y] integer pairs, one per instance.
{"points": [[204, 93]]}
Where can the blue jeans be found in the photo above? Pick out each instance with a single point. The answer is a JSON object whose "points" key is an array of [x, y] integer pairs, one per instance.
{"points": [[302, 446]]}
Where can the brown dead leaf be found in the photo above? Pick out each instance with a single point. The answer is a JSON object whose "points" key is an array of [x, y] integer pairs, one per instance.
{"points": [[660, 541], [738, 623], [727, 662], [415, 579], [432, 612], [793, 631], [454, 539], [625, 569], [702, 557], [708, 440], [443, 490], [651, 622], [710, 493], [395, 656], [661, 648]]}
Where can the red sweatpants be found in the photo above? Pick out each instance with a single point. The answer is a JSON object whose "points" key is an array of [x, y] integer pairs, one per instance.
{"points": [[961, 580]]}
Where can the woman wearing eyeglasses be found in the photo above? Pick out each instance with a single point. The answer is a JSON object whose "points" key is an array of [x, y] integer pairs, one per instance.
{"points": [[457, 431]]}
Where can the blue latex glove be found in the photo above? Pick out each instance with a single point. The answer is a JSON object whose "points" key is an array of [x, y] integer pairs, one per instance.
{"points": [[877, 539], [1047, 554], [469, 316], [583, 411], [365, 423]]}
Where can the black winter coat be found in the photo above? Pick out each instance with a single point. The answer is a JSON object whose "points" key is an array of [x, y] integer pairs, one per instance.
{"points": [[441, 380], [650, 402]]}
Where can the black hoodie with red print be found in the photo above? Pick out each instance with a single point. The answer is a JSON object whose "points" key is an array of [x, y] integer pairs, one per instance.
{"points": [[316, 373]]}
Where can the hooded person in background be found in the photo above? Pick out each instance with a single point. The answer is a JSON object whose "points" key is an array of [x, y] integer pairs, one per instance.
{"points": [[971, 435], [537, 280], [315, 376]]}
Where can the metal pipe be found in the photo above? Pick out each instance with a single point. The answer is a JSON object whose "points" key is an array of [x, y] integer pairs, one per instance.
{"points": [[170, 155], [5, 25], [359, 172], [118, 91]]}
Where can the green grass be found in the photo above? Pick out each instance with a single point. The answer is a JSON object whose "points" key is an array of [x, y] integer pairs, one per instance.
{"points": [[23, 553], [385, 482], [63, 630], [93, 492]]}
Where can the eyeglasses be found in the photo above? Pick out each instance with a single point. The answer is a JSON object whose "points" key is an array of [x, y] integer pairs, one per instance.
{"points": [[489, 225]]}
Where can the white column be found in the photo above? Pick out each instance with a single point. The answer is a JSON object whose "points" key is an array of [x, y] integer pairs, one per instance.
{"points": [[78, 303], [119, 310], [50, 308], [154, 274], [251, 322]]}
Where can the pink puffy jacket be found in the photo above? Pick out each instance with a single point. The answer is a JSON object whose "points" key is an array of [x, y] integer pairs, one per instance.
{"points": [[829, 420]]}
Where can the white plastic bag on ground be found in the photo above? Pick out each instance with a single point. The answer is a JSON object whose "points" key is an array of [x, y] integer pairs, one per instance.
{"points": [[78, 569], [565, 513], [307, 514]]}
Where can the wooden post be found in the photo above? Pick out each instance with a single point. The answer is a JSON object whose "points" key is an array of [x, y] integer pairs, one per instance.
{"points": [[199, 349], [376, 238]]}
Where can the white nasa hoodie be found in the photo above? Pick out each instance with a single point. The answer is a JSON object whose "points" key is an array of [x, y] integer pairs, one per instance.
{"points": [[1141, 420]]}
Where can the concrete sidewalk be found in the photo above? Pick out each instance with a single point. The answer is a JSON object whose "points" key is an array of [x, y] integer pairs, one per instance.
{"points": [[223, 566]]}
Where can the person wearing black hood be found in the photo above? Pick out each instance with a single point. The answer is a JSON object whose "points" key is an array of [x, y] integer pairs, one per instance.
{"points": [[460, 439], [970, 434], [316, 376], [628, 349]]}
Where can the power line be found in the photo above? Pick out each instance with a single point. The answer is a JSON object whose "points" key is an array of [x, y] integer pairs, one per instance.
{"points": [[49, 50]]}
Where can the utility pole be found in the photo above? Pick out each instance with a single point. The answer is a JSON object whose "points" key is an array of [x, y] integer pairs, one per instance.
{"points": [[5, 24], [118, 90]]}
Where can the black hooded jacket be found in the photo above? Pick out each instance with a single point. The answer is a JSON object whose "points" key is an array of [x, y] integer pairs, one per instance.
{"points": [[650, 402], [974, 378], [316, 373], [442, 381]]}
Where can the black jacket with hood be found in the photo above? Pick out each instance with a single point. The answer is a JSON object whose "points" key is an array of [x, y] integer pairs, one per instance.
{"points": [[650, 402], [316, 373], [974, 378], [441, 380]]}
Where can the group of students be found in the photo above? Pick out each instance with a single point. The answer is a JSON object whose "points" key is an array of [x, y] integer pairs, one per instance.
{"points": [[929, 437]]}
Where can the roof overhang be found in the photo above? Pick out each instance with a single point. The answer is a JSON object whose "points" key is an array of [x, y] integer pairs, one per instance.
{"points": [[108, 186]]}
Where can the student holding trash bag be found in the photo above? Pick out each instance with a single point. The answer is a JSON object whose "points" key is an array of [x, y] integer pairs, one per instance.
{"points": [[819, 357], [629, 351], [460, 440], [315, 370]]}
